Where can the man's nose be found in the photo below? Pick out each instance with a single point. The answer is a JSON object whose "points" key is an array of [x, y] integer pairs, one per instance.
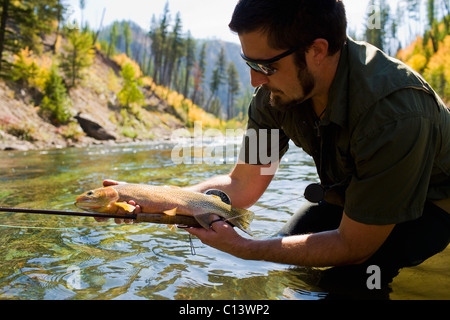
{"points": [[257, 78]]}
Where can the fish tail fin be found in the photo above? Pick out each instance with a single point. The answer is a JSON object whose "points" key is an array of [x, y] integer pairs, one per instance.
{"points": [[241, 219]]}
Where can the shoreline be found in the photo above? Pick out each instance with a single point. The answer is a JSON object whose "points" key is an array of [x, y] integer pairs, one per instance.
{"points": [[11, 143]]}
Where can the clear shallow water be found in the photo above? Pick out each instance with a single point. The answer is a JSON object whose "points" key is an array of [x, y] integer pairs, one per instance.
{"points": [[46, 257]]}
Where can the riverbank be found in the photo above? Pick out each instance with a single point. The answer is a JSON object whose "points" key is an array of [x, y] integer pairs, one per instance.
{"points": [[97, 117]]}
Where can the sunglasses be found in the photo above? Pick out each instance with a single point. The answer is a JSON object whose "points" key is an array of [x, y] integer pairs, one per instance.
{"points": [[264, 66]]}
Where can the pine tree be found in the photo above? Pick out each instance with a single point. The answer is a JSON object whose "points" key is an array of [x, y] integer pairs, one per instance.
{"points": [[199, 73], [130, 93], [190, 62], [24, 23], [233, 88], [218, 77], [128, 38], [78, 55], [158, 34], [113, 39], [56, 104], [377, 23], [174, 51], [4, 17]]}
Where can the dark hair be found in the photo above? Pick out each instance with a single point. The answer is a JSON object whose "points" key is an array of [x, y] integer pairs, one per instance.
{"points": [[293, 23]]}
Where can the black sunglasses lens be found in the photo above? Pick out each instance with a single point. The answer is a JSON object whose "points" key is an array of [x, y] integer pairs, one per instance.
{"points": [[266, 70]]}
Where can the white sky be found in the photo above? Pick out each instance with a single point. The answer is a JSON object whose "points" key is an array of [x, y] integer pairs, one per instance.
{"points": [[205, 19]]}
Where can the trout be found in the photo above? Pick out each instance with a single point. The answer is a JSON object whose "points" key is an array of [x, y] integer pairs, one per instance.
{"points": [[171, 201]]}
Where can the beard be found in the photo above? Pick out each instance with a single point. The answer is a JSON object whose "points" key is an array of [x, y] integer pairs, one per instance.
{"points": [[307, 82]]}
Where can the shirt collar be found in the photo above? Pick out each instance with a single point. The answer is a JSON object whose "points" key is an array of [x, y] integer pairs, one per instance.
{"points": [[337, 105]]}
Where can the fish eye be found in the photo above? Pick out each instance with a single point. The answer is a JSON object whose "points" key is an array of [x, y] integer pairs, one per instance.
{"points": [[90, 193]]}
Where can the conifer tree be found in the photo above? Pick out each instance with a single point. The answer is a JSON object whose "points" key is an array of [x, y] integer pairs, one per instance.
{"points": [[190, 62], [24, 23], [377, 26], [113, 39], [130, 93], [128, 38], [56, 104], [158, 35], [199, 73], [174, 51], [218, 77], [233, 88], [78, 55]]}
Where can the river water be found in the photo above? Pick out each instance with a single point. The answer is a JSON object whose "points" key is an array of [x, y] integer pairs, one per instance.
{"points": [[52, 257]]}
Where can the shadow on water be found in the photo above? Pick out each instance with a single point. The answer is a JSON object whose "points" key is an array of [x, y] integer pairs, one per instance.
{"points": [[44, 257]]}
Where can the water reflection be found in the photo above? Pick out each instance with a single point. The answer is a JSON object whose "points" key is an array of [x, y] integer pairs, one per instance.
{"points": [[77, 258]]}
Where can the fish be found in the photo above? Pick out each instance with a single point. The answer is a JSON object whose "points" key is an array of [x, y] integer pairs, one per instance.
{"points": [[168, 200]]}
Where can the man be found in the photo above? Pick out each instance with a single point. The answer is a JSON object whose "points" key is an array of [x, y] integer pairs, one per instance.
{"points": [[379, 135]]}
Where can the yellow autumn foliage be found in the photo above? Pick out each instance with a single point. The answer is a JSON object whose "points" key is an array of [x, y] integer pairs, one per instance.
{"points": [[122, 60], [437, 71], [434, 66], [185, 108], [418, 62], [33, 69], [406, 53]]}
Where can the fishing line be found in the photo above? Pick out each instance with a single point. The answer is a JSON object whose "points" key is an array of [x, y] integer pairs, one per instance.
{"points": [[37, 228], [278, 204], [261, 209], [191, 245], [314, 193]]}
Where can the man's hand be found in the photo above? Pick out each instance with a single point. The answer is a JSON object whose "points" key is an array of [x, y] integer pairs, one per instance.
{"points": [[351, 243], [222, 236], [108, 183]]}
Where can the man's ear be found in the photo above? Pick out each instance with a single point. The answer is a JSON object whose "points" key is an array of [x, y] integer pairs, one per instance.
{"points": [[318, 50]]}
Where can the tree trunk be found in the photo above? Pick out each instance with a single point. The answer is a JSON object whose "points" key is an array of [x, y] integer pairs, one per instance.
{"points": [[3, 29]]}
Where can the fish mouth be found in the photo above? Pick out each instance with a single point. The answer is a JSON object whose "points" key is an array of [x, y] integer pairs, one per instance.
{"points": [[86, 203]]}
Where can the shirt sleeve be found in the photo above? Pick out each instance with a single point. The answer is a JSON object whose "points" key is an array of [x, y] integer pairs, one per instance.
{"points": [[264, 142], [393, 165]]}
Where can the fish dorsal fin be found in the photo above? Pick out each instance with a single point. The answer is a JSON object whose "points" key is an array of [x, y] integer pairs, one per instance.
{"points": [[171, 212], [214, 196], [127, 207]]}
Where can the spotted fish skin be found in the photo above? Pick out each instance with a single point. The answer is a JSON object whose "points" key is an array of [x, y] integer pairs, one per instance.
{"points": [[163, 199]]}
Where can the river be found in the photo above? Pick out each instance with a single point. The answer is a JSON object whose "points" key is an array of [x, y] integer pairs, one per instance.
{"points": [[54, 257]]}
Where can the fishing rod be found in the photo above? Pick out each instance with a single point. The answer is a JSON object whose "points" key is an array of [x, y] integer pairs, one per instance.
{"points": [[159, 218]]}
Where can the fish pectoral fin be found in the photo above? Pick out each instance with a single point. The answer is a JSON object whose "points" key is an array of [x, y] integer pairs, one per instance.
{"points": [[171, 212], [127, 207]]}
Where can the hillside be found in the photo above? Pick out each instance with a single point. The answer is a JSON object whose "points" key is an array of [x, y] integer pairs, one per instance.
{"points": [[140, 47], [23, 128]]}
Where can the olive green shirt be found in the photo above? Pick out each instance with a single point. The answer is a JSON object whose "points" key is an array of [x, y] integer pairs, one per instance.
{"points": [[383, 144]]}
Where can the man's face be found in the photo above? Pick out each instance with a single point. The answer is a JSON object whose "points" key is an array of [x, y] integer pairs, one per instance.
{"points": [[291, 85]]}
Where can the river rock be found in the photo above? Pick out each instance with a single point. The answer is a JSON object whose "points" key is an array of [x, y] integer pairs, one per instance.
{"points": [[93, 129]]}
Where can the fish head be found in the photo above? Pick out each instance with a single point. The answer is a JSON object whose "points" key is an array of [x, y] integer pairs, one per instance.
{"points": [[98, 200]]}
